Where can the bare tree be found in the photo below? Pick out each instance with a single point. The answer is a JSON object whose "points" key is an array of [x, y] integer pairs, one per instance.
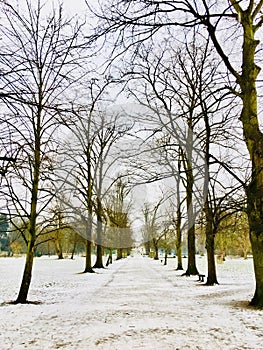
{"points": [[112, 130], [89, 166], [77, 167], [153, 225], [38, 59], [176, 215], [118, 212], [169, 88]]}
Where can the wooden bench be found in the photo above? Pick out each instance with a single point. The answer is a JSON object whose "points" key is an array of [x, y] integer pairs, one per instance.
{"points": [[201, 278]]}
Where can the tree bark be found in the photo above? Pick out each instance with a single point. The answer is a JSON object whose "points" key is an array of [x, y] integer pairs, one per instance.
{"points": [[210, 247], [147, 247], [74, 246], [179, 240], [257, 248], [109, 261], [165, 256], [191, 266], [88, 261], [24, 288], [119, 253], [254, 141], [59, 249], [156, 253], [88, 258], [99, 261]]}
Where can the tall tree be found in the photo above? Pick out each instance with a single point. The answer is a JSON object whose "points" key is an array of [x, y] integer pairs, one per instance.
{"points": [[169, 88], [88, 166], [118, 211], [77, 167], [111, 130], [38, 59], [153, 226]]}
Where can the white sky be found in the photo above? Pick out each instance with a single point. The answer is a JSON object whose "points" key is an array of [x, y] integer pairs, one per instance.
{"points": [[70, 6], [74, 6]]}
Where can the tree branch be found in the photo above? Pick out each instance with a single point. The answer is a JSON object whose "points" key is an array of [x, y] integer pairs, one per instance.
{"points": [[7, 159], [226, 167], [257, 9], [259, 24], [237, 7], [211, 31]]}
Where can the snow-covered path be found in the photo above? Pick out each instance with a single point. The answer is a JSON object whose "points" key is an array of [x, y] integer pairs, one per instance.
{"points": [[134, 304]]}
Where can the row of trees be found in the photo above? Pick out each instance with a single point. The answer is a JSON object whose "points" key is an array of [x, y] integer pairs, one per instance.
{"points": [[58, 146], [232, 237], [233, 30]]}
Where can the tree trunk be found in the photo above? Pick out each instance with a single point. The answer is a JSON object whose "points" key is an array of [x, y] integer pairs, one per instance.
{"points": [[24, 288], [119, 253], [58, 247], [211, 264], [191, 266], [88, 259], [179, 257], [156, 253], [210, 246], [88, 262], [256, 236], [245, 252], [99, 261], [254, 141], [48, 248], [179, 240], [255, 197], [147, 248], [165, 257], [191, 263], [73, 248], [109, 261], [257, 248]]}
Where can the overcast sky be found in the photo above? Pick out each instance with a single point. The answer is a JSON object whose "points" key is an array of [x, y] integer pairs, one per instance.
{"points": [[70, 6], [76, 6]]}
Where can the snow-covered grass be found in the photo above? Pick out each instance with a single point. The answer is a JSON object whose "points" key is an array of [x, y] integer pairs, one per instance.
{"points": [[136, 303]]}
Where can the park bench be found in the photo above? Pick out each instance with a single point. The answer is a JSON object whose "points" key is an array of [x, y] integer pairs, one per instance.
{"points": [[201, 278]]}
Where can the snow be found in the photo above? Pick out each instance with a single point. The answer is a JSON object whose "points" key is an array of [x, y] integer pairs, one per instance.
{"points": [[136, 303]]}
